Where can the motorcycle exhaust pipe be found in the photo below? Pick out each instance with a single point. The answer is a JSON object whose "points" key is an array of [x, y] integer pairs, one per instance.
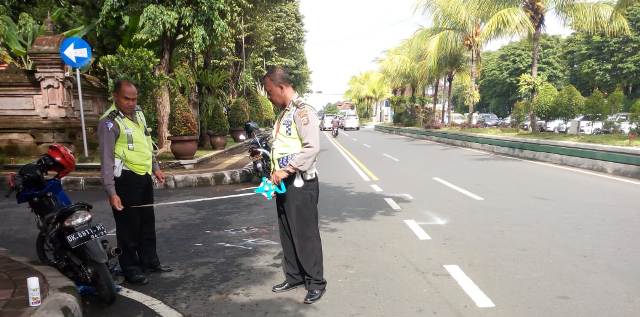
{"points": [[114, 252]]}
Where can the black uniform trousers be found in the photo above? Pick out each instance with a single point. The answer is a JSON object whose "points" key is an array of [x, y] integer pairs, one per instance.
{"points": [[135, 227], [300, 235]]}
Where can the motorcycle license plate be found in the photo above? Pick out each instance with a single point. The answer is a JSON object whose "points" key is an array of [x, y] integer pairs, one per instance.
{"points": [[79, 238]]}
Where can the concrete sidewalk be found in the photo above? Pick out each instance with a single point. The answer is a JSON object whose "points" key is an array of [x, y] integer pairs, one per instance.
{"points": [[231, 166], [59, 295]]}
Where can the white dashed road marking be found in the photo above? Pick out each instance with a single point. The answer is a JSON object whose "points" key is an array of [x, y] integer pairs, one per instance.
{"points": [[367, 145], [376, 188], [415, 227], [476, 294], [392, 203], [459, 189], [345, 133], [159, 307], [390, 157], [248, 188]]}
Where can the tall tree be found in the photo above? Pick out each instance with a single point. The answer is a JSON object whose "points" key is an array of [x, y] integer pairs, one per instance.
{"points": [[471, 25], [590, 17]]}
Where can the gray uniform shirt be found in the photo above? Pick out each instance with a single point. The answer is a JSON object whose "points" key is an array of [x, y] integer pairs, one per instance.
{"points": [[307, 124], [108, 133]]}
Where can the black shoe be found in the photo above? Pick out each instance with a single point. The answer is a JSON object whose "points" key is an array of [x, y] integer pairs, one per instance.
{"points": [[160, 269], [285, 286], [136, 278], [314, 295]]}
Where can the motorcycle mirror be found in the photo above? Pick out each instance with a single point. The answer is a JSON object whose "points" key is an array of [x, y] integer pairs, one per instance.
{"points": [[251, 127]]}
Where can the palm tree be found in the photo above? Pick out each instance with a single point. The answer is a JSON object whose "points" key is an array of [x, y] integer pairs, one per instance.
{"points": [[366, 89], [589, 17], [446, 64], [470, 25]]}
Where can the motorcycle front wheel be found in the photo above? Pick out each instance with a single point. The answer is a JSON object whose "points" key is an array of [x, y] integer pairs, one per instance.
{"points": [[103, 282]]}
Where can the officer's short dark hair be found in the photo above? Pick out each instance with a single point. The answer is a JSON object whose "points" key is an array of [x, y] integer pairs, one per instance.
{"points": [[278, 75], [120, 83]]}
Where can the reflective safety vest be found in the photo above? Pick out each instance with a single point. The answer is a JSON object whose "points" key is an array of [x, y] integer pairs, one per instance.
{"points": [[286, 141], [134, 145]]}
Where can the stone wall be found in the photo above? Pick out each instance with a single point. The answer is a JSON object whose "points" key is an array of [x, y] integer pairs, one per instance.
{"points": [[39, 107]]}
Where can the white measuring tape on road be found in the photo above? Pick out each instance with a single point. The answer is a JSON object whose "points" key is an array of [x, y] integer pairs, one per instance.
{"points": [[192, 200]]}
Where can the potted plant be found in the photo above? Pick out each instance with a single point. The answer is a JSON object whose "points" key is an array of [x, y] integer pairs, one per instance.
{"points": [[238, 116], [218, 126], [183, 129]]}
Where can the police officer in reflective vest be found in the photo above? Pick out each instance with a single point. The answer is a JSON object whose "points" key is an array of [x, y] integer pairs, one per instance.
{"points": [[127, 162], [295, 148]]}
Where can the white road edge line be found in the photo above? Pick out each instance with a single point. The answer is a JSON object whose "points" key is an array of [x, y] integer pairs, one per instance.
{"points": [[415, 227], [476, 294], [376, 187], [367, 145], [159, 307], [620, 179], [392, 203], [461, 190], [355, 167], [390, 157]]}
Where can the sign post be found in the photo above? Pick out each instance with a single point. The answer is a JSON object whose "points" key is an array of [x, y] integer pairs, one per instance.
{"points": [[76, 53]]}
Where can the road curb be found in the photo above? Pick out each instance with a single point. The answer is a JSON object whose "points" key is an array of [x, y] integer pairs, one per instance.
{"points": [[539, 151], [59, 294]]}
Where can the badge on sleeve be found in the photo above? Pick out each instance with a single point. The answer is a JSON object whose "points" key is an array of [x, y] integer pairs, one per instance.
{"points": [[109, 125], [303, 115]]}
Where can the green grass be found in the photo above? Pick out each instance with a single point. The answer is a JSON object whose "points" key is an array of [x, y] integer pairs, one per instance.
{"points": [[605, 139]]}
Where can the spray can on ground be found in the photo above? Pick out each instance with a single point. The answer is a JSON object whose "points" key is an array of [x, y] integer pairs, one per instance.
{"points": [[33, 287]]}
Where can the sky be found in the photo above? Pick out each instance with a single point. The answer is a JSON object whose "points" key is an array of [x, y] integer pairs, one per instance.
{"points": [[345, 37]]}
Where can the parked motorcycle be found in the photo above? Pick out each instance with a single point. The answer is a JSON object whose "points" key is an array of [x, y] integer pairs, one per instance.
{"points": [[259, 150], [67, 239]]}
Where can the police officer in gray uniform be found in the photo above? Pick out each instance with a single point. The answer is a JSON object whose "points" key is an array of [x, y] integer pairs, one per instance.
{"points": [[127, 163], [294, 153]]}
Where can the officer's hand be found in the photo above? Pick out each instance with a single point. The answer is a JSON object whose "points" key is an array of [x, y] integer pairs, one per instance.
{"points": [[159, 176], [278, 175], [115, 202]]}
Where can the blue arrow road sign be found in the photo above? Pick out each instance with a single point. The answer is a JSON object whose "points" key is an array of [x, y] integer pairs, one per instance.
{"points": [[75, 52]]}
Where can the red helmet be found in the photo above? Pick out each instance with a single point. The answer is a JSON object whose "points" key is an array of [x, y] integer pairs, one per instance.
{"points": [[65, 159]]}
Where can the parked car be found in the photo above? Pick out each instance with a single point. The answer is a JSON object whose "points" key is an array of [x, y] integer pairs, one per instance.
{"points": [[506, 122], [351, 122], [540, 125], [589, 126], [325, 123], [555, 126], [458, 118], [488, 120], [621, 122]]}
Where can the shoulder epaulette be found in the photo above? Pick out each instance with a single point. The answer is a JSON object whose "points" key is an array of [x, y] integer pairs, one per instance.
{"points": [[112, 115]]}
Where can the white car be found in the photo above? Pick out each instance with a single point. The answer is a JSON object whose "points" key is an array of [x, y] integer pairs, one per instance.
{"points": [[589, 126], [351, 122], [621, 121], [458, 118], [555, 126], [325, 123]]}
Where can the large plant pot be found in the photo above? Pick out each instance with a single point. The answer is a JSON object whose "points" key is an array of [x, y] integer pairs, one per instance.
{"points": [[218, 142], [184, 147], [238, 134]]}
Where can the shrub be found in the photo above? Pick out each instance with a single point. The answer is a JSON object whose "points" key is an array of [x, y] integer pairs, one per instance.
{"points": [[182, 122], [239, 113], [268, 114], [218, 124]]}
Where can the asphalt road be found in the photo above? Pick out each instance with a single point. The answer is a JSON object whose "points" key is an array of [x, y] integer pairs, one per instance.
{"points": [[409, 228]]}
